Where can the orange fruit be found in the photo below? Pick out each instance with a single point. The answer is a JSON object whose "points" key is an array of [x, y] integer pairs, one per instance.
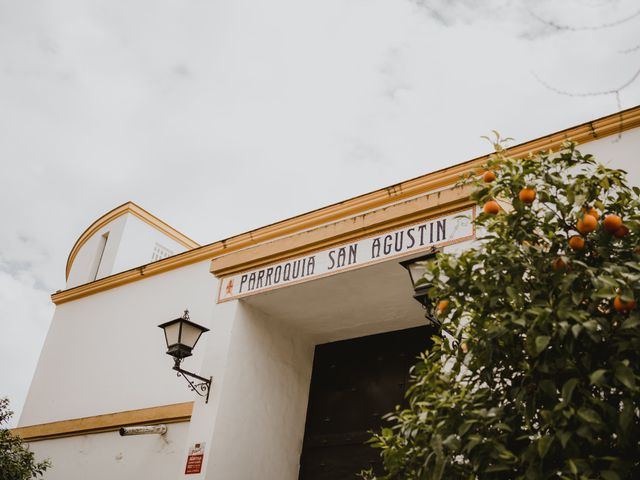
{"points": [[527, 195], [612, 223], [591, 211], [587, 223], [621, 232], [491, 207], [559, 265], [488, 176], [576, 242], [442, 305], [622, 306]]}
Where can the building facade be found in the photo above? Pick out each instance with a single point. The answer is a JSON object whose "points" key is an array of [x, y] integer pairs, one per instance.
{"points": [[312, 330]]}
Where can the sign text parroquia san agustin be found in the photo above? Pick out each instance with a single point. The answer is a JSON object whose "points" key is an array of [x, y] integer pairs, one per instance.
{"points": [[453, 228]]}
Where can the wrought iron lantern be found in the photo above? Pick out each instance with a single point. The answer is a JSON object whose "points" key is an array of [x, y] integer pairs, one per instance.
{"points": [[181, 336], [417, 268]]}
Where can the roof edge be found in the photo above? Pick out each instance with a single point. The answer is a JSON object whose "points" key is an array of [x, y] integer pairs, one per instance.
{"points": [[586, 132]]}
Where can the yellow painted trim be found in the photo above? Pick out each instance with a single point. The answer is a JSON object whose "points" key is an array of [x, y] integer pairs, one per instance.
{"points": [[394, 216], [596, 129], [139, 212], [175, 413]]}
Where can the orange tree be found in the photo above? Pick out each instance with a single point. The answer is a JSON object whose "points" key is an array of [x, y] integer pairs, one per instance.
{"points": [[542, 379]]}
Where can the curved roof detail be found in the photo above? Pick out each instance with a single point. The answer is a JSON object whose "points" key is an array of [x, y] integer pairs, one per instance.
{"points": [[123, 209]]}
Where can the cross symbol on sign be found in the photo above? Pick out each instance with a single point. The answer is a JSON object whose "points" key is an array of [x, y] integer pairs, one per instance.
{"points": [[229, 290]]}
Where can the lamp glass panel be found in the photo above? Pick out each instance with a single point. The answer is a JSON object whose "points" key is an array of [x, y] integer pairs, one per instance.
{"points": [[190, 335], [172, 333], [417, 271]]}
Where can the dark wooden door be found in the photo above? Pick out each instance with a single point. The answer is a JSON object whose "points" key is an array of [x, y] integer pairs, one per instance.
{"points": [[355, 382]]}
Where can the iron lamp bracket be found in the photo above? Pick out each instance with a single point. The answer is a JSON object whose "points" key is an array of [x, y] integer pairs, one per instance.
{"points": [[200, 385]]}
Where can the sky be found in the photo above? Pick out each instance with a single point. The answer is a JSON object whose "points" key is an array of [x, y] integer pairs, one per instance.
{"points": [[224, 116]]}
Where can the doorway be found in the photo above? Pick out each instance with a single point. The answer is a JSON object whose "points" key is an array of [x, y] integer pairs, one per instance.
{"points": [[354, 382]]}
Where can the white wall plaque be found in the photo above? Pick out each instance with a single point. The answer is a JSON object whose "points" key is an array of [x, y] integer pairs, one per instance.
{"points": [[433, 232]]}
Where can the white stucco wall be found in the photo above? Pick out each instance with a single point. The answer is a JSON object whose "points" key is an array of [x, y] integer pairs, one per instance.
{"points": [[618, 152], [261, 400], [104, 353], [108, 456], [214, 364], [138, 240]]}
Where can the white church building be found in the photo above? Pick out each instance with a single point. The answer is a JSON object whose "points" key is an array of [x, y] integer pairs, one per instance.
{"points": [[312, 330]]}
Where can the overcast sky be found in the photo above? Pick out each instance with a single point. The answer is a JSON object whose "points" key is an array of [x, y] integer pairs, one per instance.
{"points": [[223, 116]]}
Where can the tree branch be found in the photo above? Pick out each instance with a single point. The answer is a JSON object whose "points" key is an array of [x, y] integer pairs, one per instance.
{"points": [[570, 28]]}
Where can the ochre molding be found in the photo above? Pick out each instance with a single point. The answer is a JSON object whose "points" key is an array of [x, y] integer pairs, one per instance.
{"points": [[394, 216], [175, 413], [139, 212], [584, 133]]}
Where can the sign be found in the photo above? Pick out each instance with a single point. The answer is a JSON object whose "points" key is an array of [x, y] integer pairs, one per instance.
{"points": [[194, 459], [434, 232]]}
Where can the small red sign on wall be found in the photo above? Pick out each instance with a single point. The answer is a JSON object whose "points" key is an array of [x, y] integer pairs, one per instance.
{"points": [[194, 459]]}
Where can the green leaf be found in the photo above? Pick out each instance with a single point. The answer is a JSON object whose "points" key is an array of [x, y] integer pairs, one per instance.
{"points": [[541, 343], [626, 416], [567, 390], [498, 468], [625, 376], [576, 329], [609, 475], [520, 321], [589, 415], [576, 296], [464, 428], [564, 438], [543, 445], [631, 322], [452, 442], [591, 325], [436, 444], [503, 427], [474, 440], [605, 292], [597, 377]]}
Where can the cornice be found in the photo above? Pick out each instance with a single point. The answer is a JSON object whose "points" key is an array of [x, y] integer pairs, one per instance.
{"points": [[584, 133], [394, 216]]}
